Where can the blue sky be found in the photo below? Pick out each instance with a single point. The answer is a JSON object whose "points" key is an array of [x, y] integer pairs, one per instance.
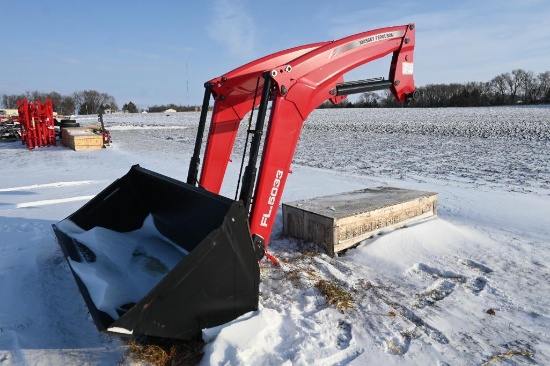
{"points": [[163, 51]]}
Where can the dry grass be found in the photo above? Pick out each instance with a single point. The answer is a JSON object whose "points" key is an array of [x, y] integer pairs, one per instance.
{"points": [[302, 272], [511, 353], [395, 349], [335, 294], [166, 352]]}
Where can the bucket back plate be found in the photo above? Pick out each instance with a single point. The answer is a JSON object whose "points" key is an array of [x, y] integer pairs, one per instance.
{"points": [[155, 256]]}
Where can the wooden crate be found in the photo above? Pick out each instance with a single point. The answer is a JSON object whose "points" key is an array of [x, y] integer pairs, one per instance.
{"points": [[81, 138], [85, 140], [338, 222], [67, 130]]}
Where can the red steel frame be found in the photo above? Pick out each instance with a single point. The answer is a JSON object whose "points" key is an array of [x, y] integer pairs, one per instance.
{"points": [[37, 123], [302, 79], [234, 93]]}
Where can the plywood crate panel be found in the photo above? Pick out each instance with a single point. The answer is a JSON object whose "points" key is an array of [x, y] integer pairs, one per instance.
{"points": [[85, 140], [81, 138], [338, 222]]}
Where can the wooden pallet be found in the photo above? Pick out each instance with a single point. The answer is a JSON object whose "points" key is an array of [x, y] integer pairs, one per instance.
{"points": [[338, 222]]}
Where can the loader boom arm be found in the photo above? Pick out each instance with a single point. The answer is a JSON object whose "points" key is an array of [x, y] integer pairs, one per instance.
{"points": [[205, 248], [234, 92], [296, 81]]}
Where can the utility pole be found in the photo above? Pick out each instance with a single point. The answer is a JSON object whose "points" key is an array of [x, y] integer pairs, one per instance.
{"points": [[187, 80]]}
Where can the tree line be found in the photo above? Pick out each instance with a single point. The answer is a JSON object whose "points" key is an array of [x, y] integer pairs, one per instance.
{"points": [[518, 86], [132, 108], [81, 102], [84, 102], [510, 88], [177, 108]]}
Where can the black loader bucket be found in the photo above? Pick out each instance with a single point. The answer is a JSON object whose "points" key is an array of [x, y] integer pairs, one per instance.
{"points": [[155, 256]]}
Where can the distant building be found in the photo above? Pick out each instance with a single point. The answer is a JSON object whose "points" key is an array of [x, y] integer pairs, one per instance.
{"points": [[170, 110], [9, 112]]}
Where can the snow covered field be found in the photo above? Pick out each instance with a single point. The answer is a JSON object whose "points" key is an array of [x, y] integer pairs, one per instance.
{"points": [[455, 290]]}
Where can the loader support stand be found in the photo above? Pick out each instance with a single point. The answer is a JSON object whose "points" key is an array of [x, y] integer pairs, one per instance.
{"points": [[103, 134], [248, 132], [193, 173], [249, 177], [250, 170]]}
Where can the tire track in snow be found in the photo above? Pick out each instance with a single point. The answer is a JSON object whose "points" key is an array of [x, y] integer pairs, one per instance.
{"points": [[48, 185], [44, 203]]}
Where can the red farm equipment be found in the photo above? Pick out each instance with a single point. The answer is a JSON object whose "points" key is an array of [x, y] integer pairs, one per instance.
{"points": [[37, 123], [144, 220]]}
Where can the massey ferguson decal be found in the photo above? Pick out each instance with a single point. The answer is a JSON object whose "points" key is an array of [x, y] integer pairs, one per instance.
{"points": [[272, 197], [368, 40]]}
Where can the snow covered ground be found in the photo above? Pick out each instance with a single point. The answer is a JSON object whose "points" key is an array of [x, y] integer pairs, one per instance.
{"points": [[455, 290]]}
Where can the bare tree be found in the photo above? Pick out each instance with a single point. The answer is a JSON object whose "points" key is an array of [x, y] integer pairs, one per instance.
{"points": [[67, 105], [369, 100], [10, 101], [543, 91], [522, 86], [499, 85], [78, 99], [92, 101]]}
